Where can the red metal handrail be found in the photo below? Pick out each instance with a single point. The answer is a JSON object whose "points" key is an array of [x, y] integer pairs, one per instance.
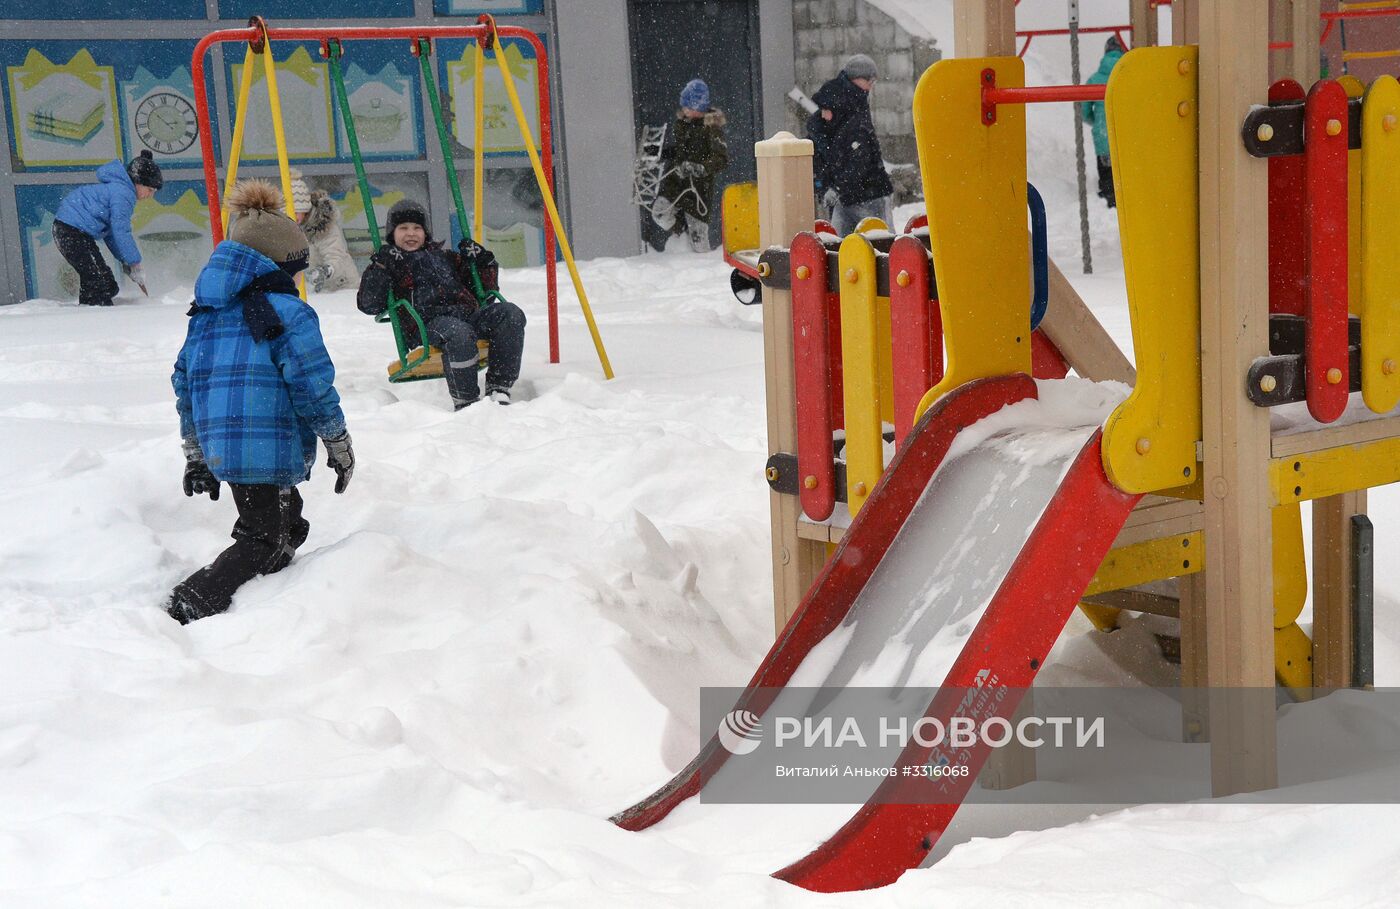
{"points": [[410, 33], [1032, 34]]}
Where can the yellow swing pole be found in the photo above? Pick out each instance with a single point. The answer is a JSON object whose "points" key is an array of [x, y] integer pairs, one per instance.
{"points": [[549, 203], [279, 136], [478, 145], [240, 120]]}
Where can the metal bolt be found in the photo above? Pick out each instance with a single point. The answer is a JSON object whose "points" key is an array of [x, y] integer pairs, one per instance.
{"points": [[1334, 127], [1265, 132], [903, 279], [1388, 367], [1388, 123], [810, 482], [772, 474], [852, 276], [1268, 383], [803, 273], [1334, 375], [1183, 108], [1183, 66], [764, 269], [859, 488], [1144, 446]]}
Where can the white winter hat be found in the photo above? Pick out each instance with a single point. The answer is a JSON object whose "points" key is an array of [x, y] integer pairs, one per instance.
{"points": [[301, 194]]}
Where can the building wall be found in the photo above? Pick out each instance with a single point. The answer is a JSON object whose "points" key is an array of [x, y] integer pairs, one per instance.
{"points": [[828, 31]]}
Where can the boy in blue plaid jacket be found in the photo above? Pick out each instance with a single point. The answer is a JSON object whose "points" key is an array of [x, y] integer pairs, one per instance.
{"points": [[254, 387]]}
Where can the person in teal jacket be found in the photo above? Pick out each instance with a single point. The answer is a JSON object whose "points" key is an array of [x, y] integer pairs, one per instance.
{"points": [[1093, 113]]}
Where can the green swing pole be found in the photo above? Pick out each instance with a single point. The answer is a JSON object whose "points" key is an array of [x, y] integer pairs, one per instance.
{"points": [[332, 51], [422, 49]]}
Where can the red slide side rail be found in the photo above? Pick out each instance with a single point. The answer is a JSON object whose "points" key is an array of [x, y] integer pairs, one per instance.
{"points": [[409, 34], [1005, 650], [1327, 370], [834, 592], [1287, 258]]}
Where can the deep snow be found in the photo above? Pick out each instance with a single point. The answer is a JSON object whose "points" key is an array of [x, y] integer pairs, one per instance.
{"points": [[496, 638]]}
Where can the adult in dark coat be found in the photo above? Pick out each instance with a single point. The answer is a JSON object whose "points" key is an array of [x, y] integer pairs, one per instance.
{"points": [[693, 155], [850, 170]]}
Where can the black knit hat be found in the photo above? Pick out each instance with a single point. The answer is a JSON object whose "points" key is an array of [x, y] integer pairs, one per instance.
{"points": [[144, 171], [406, 211]]}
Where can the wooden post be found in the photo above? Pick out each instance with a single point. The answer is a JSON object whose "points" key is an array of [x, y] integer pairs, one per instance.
{"points": [[1081, 340], [984, 28], [1186, 21], [1239, 654], [785, 208], [1142, 15], [1333, 562], [1191, 607], [1280, 31], [1306, 56]]}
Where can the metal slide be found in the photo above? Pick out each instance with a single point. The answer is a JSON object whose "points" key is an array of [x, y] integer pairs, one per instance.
{"points": [[960, 577]]}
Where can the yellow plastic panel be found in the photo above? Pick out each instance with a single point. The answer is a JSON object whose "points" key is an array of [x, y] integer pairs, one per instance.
{"points": [[1155, 560], [1332, 471], [975, 185], [860, 370], [1149, 442], [1290, 565], [871, 223], [1380, 236], [1293, 659], [1354, 88], [1103, 618], [739, 209]]}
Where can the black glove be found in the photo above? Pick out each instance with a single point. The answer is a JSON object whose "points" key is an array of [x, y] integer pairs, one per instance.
{"points": [[198, 478], [472, 251], [390, 258], [340, 457]]}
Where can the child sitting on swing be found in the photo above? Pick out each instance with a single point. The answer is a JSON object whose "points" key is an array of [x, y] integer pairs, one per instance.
{"points": [[440, 286]]}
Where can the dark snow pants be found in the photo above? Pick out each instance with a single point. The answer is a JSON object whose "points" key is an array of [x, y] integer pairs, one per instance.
{"points": [[96, 285], [502, 324], [1106, 181], [269, 530]]}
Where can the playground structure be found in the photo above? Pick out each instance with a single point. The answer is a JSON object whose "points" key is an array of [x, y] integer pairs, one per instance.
{"points": [[1258, 226], [423, 362]]}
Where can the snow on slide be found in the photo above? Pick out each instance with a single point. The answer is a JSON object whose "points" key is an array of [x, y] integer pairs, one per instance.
{"points": [[960, 571]]}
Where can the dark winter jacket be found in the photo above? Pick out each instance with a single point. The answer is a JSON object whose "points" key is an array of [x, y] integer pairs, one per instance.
{"points": [[1093, 111], [256, 407], [848, 157], [102, 210], [436, 281], [699, 141]]}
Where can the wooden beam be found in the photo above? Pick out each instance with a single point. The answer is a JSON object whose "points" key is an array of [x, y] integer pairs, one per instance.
{"points": [[785, 207], [1142, 15], [1336, 436], [1071, 327], [1333, 564], [1195, 719], [984, 28], [1234, 331], [1306, 55], [1280, 31], [1186, 21]]}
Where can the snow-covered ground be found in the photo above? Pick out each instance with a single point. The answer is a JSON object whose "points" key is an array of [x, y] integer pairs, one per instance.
{"points": [[496, 638]]}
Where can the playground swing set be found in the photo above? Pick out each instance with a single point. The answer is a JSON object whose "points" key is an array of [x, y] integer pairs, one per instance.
{"points": [[1186, 483], [424, 361]]}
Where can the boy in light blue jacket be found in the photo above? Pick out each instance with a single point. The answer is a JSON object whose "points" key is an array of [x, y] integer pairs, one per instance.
{"points": [[102, 211]]}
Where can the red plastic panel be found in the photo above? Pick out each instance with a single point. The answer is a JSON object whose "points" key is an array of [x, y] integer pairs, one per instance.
{"points": [[835, 590], [1006, 649], [1046, 360], [916, 332], [1326, 372], [916, 222], [811, 341], [1287, 259], [825, 227]]}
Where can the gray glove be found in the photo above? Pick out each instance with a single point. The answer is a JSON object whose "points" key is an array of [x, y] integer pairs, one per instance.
{"points": [[199, 479], [318, 276], [340, 457], [691, 169], [831, 199]]}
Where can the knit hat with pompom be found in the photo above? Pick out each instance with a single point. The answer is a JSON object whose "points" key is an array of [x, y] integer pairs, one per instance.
{"points": [[257, 219]]}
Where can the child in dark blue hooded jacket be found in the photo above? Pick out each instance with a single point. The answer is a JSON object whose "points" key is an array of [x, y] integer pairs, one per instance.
{"points": [[102, 211], [254, 387]]}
